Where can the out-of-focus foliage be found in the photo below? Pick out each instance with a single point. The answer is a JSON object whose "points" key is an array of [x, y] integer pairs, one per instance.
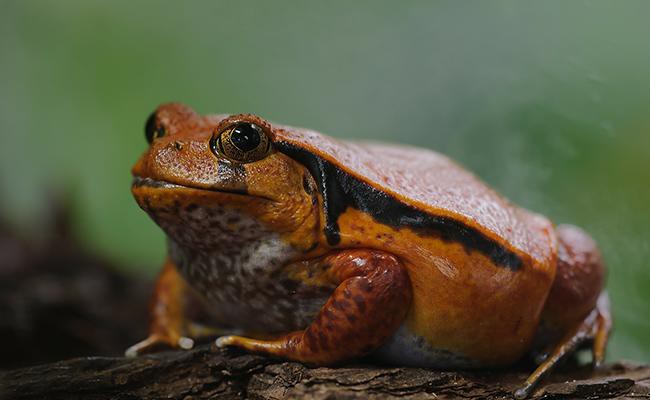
{"points": [[549, 102]]}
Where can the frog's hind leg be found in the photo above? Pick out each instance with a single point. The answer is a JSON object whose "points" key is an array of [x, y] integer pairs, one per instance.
{"points": [[595, 328], [369, 304], [577, 308]]}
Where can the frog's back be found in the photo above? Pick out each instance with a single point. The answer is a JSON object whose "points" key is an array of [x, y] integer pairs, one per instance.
{"points": [[427, 183]]}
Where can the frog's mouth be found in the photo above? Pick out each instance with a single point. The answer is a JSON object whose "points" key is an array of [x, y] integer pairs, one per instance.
{"points": [[139, 181]]}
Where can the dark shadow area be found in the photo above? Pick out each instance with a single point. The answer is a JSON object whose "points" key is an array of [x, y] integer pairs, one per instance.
{"points": [[59, 301]]}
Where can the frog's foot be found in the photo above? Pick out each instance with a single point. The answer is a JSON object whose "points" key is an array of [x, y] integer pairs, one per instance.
{"points": [[170, 328], [193, 330], [156, 342], [595, 327], [369, 304]]}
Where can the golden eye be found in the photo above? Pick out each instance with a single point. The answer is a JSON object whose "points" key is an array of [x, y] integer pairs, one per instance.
{"points": [[243, 142], [152, 130]]}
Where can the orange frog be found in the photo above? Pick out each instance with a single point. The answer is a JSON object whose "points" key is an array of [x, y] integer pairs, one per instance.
{"points": [[321, 251]]}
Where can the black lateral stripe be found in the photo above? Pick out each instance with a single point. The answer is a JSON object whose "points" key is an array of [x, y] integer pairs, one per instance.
{"points": [[341, 190]]}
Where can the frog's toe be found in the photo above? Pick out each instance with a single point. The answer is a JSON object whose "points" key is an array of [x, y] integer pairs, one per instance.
{"points": [[157, 342], [150, 344], [225, 341], [185, 343], [523, 392]]}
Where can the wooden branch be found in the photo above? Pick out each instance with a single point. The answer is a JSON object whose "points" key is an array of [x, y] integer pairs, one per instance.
{"points": [[207, 373]]}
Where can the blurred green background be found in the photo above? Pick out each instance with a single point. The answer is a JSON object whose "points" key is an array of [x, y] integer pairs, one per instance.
{"points": [[549, 102]]}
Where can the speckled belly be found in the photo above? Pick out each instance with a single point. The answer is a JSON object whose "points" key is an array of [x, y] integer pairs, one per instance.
{"points": [[263, 305], [254, 299], [237, 265]]}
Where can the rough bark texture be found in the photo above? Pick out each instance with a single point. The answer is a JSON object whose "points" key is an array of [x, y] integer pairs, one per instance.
{"points": [[206, 373], [57, 301]]}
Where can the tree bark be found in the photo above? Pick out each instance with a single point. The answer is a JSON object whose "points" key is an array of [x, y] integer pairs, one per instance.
{"points": [[208, 373]]}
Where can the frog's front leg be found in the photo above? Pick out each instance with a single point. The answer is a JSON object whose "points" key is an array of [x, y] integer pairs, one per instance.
{"points": [[168, 325], [370, 302]]}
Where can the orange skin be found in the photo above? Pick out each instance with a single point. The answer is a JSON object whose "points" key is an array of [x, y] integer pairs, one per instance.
{"points": [[380, 272]]}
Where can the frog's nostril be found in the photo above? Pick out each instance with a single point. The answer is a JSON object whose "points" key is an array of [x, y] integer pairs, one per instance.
{"points": [[178, 145]]}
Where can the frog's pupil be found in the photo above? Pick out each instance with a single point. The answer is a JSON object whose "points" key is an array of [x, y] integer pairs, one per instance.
{"points": [[246, 137]]}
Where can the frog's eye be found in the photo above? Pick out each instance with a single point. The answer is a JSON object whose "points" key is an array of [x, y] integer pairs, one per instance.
{"points": [[152, 130], [243, 142]]}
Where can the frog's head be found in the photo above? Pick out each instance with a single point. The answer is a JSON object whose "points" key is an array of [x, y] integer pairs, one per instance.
{"points": [[215, 180]]}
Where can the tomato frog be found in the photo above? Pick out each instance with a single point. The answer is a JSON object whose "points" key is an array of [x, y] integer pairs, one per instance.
{"points": [[321, 251]]}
